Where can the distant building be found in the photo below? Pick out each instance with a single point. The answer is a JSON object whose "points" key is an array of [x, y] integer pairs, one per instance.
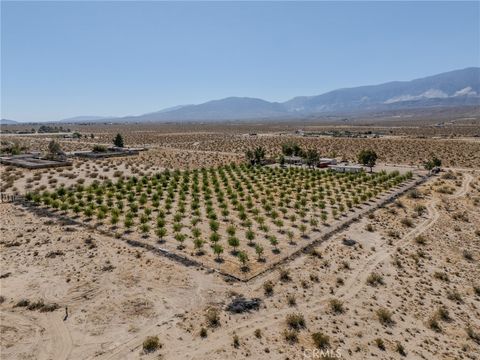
{"points": [[293, 160], [346, 168], [326, 162]]}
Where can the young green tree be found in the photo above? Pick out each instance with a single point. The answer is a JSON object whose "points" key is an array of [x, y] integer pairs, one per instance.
{"points": [[432, 163], [259, 251], [290, 236], [161, 233], [243, 257], [217, 250], [180, 238], [198, 244], [256, 156], [311, 157], [274, 241], [54, 149], [368, 158], [118, 141], [234, 243], [231, 230], [303, 229], [250, 235], [214, 238]]}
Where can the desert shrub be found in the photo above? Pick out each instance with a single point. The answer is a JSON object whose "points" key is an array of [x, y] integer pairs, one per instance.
{"points": [[380, 344], [203, 332], [396, 261], [384, 316], [213, 317], [393, 234], [420, 240], [369, 228], [443, 314], [258, 333], [99, 148], [400, 349], [434, 324], [236, 341], [290, 335], [321, 340], [472, 334], [22, 303], [336, 306], [420, 209], [460, 216], [407, 222], [284, 275], [151, 344], [295, 321], [414, 194], [291, 300], [454, 295], [449, 176], [440, 275], [49, 307], [468, 255], [375, 279], [316, 253], [268, 287]]}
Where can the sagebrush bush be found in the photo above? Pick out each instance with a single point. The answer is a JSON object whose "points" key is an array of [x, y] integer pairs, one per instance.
{"points": [[321, 340], [151, 344], [295, 321]]}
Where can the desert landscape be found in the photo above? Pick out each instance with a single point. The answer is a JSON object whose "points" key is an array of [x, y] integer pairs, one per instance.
{"points": [[235, 180], [187, 251]]}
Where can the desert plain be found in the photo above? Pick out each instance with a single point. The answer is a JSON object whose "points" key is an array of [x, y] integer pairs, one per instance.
{"points": [[390, 271]]}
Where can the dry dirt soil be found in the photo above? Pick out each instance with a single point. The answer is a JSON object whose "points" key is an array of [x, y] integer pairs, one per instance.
{"points": [[408, 288]]}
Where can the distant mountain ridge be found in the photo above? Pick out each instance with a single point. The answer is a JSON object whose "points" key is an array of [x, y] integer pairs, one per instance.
{"points": [[453, 88], [8, 122]]}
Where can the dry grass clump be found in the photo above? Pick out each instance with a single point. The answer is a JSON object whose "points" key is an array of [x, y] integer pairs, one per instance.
{"points": [[454, 295], [38, 305], [420, 240], [407, 222], [284, 275], [290, 335], [295, 321], [321, 340], [380, 344], [472, 334], [375, 279], [440, 275], [213, 317], [268, 287], [336, 306], [385, 316]]}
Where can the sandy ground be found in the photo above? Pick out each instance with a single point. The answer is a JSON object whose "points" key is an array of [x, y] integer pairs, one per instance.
{"points": [[117, 295]]}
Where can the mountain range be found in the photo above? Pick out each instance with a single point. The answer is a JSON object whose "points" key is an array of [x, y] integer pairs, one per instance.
{"points": [[453, 88]]}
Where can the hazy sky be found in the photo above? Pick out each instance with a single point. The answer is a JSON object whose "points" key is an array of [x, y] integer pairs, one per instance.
{"points": [[63, 59]]}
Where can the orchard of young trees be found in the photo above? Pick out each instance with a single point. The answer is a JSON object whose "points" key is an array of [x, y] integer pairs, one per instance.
{"points": [[240, 212]]}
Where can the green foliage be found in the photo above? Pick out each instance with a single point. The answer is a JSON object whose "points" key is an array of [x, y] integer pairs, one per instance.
{"points": [[367, 158], [118, 141]]}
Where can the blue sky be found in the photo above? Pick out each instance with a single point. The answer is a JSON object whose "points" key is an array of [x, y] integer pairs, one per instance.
{"points": [[63, 59]]}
